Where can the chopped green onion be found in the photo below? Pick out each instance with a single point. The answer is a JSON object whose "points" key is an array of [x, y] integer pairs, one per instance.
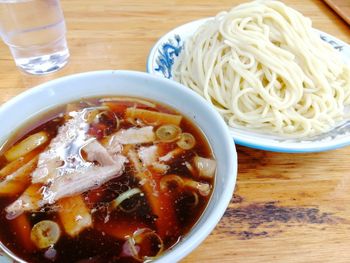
{"points": [[186, 141], [126, 195], [168, 133]]}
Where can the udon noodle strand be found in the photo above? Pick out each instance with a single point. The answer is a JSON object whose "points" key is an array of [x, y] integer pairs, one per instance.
{"points": [[264, 67]]}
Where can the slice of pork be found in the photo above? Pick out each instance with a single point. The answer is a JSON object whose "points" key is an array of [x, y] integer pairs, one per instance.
{"points": [[96, 152], [130, 136], [63, 172], [70, 184], [28, 201], [82, 180], [63, 149], [148, 155]]}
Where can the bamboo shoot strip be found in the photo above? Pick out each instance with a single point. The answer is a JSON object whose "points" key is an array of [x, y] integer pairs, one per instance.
{"points": [[119, 230], [25, 146], [153, 117], [74, 215], [160, 203], [18, 181], [130, 102], [117, 108], [162, 206], [21, 226], [11, 167]]}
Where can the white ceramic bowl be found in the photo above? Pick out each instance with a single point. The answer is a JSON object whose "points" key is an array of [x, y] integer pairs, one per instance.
{"points": [[101, 83]]}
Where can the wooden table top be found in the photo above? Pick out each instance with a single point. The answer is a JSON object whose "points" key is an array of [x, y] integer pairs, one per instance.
{"points": [[286, 207]]}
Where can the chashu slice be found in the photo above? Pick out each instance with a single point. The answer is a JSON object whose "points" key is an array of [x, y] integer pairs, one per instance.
{"points": [[62, 172]]}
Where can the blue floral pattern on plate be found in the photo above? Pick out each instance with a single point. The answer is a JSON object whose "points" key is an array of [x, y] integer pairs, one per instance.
{"points": [[167, 54], [333, 43]]}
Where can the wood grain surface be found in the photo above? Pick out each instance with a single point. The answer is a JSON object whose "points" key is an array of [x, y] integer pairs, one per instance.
{"points": [[341, 7], [286, 207]]}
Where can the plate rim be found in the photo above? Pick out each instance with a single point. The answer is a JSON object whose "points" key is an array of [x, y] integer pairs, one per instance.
{"points": [[266, 144]]}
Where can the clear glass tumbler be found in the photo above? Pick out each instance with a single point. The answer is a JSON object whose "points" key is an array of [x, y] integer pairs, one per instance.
{"points": [[35, 32]]}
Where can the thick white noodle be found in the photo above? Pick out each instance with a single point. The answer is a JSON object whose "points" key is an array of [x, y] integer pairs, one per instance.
{"points": [[264, 67]]}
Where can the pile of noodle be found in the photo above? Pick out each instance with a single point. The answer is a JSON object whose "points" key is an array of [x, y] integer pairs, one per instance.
{"points": [[265, 68]]}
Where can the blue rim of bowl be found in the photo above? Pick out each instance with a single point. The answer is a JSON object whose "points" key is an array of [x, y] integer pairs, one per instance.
{"points": [[253, 141]]}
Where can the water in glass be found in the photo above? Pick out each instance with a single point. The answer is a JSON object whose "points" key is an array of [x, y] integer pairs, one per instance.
{"points": [[35, 31]]}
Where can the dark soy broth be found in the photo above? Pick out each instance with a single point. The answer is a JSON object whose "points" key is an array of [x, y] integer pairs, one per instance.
{"points": [[113, 179]]}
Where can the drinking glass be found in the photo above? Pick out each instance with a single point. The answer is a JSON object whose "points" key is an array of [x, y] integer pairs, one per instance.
{"points": [[35, 32]]}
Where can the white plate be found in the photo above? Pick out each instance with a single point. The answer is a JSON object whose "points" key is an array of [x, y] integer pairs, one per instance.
{"points": [[160, 62]]}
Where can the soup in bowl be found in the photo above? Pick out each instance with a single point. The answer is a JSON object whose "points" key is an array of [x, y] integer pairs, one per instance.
{"points": [[113, 166]]}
